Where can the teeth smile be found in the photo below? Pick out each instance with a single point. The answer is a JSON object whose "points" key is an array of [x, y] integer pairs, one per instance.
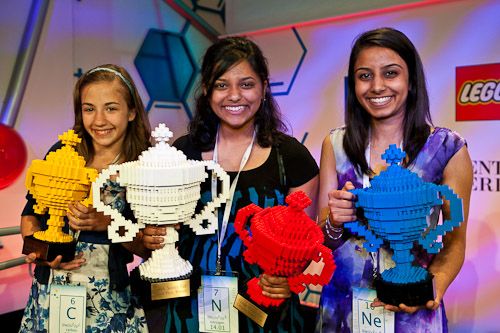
{"points": [[102, 132], [234, 108], [380, 100]]}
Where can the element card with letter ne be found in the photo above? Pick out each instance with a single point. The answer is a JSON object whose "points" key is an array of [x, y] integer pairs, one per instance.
{"points": [[366, 318]]}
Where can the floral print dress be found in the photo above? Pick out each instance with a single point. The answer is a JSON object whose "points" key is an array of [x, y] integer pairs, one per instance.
{"points": [[355, 265], [108, 310]]}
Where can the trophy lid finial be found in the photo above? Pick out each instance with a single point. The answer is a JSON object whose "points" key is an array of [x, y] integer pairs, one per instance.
{"points": [[395, 178], [162, 154], [69, 138], [298, 200], [393, 155], [162, 133]]}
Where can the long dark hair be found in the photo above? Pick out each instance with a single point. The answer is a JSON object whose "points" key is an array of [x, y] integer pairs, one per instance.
{"points": [[218, 59], [417, 117], [138, 130]]}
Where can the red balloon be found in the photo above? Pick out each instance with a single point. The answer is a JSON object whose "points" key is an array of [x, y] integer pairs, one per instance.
{"points": [[13, 155]]}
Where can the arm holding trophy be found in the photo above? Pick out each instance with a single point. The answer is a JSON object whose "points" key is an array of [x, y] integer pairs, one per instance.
{"points": [[163, 188], [381, 206], [110, 128], [237, 125], [55, 182]]}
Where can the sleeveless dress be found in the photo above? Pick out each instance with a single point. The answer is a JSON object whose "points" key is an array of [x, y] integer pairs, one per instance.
{"points": [[354, 263]]}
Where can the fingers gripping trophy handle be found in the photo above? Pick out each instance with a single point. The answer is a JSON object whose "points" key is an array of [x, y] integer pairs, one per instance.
{"points": [[456, 217], [297, 283], [372, 242], [208, 212], [118, 222]]}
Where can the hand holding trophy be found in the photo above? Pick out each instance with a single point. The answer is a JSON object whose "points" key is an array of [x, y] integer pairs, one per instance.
{"points": [[283, 241], [54, 183], [397, 206], [163, 188]]}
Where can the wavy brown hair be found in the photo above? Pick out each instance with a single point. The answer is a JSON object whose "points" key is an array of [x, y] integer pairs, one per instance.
{"points": [[138, 130], [218, 59]]}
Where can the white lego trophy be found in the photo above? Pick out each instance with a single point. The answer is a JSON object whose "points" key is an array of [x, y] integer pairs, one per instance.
{"points": [[163, 188]]}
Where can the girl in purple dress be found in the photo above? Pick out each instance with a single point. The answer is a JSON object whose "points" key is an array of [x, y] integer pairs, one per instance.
{"points": [[387, 103]]}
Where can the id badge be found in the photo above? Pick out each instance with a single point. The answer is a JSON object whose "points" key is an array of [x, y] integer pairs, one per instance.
{"points": [[369, 319], [216, 296], [67, 309]]}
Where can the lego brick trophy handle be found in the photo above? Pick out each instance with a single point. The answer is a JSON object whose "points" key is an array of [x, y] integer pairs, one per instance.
{"points": [[29, 179], [40, 209], [297, 283], [456, 217], [119, 224], [242, 218], [372, 242], [89, 200], [207, 212]]}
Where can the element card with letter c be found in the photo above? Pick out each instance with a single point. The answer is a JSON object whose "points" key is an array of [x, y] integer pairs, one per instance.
{"points": [[67, 308]]}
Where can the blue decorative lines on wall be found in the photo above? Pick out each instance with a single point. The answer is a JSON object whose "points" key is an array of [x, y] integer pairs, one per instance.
{"points": [[304, 49]]}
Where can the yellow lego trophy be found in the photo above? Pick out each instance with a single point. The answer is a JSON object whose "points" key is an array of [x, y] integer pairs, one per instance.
{"points": [[54, 183]]}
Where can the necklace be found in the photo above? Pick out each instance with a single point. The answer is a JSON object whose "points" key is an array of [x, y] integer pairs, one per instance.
{"points": [[116, 159]]}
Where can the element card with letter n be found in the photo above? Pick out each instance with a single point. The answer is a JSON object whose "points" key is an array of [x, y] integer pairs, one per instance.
{"points": [[215, 298]]}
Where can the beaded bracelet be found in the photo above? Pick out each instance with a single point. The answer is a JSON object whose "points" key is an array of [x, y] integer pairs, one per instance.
{"points": [[329, 228]]}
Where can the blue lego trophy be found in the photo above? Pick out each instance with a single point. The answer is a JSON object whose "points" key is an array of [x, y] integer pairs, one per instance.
{"points": [[396, 207]]}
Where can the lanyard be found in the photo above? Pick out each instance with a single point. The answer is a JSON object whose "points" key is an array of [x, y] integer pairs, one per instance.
{"points": [[229, 202]]}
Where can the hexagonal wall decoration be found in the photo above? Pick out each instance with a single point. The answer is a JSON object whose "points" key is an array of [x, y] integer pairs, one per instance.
{"points": [[166, 67]]}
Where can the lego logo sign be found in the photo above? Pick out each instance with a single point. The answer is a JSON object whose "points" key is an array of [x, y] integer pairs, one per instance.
{"points": [[478, 92]]}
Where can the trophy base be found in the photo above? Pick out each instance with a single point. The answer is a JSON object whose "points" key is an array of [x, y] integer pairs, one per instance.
{"points": [[49, 251], [159, 290], [251, 310], [264, 316], [411, 294]]}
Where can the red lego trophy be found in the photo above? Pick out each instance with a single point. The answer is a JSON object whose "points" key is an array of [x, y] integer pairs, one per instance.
{"points": [[282, 241]]}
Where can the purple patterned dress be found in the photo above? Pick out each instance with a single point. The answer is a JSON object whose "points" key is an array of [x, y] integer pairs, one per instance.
{"points": [[354, 263]]}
